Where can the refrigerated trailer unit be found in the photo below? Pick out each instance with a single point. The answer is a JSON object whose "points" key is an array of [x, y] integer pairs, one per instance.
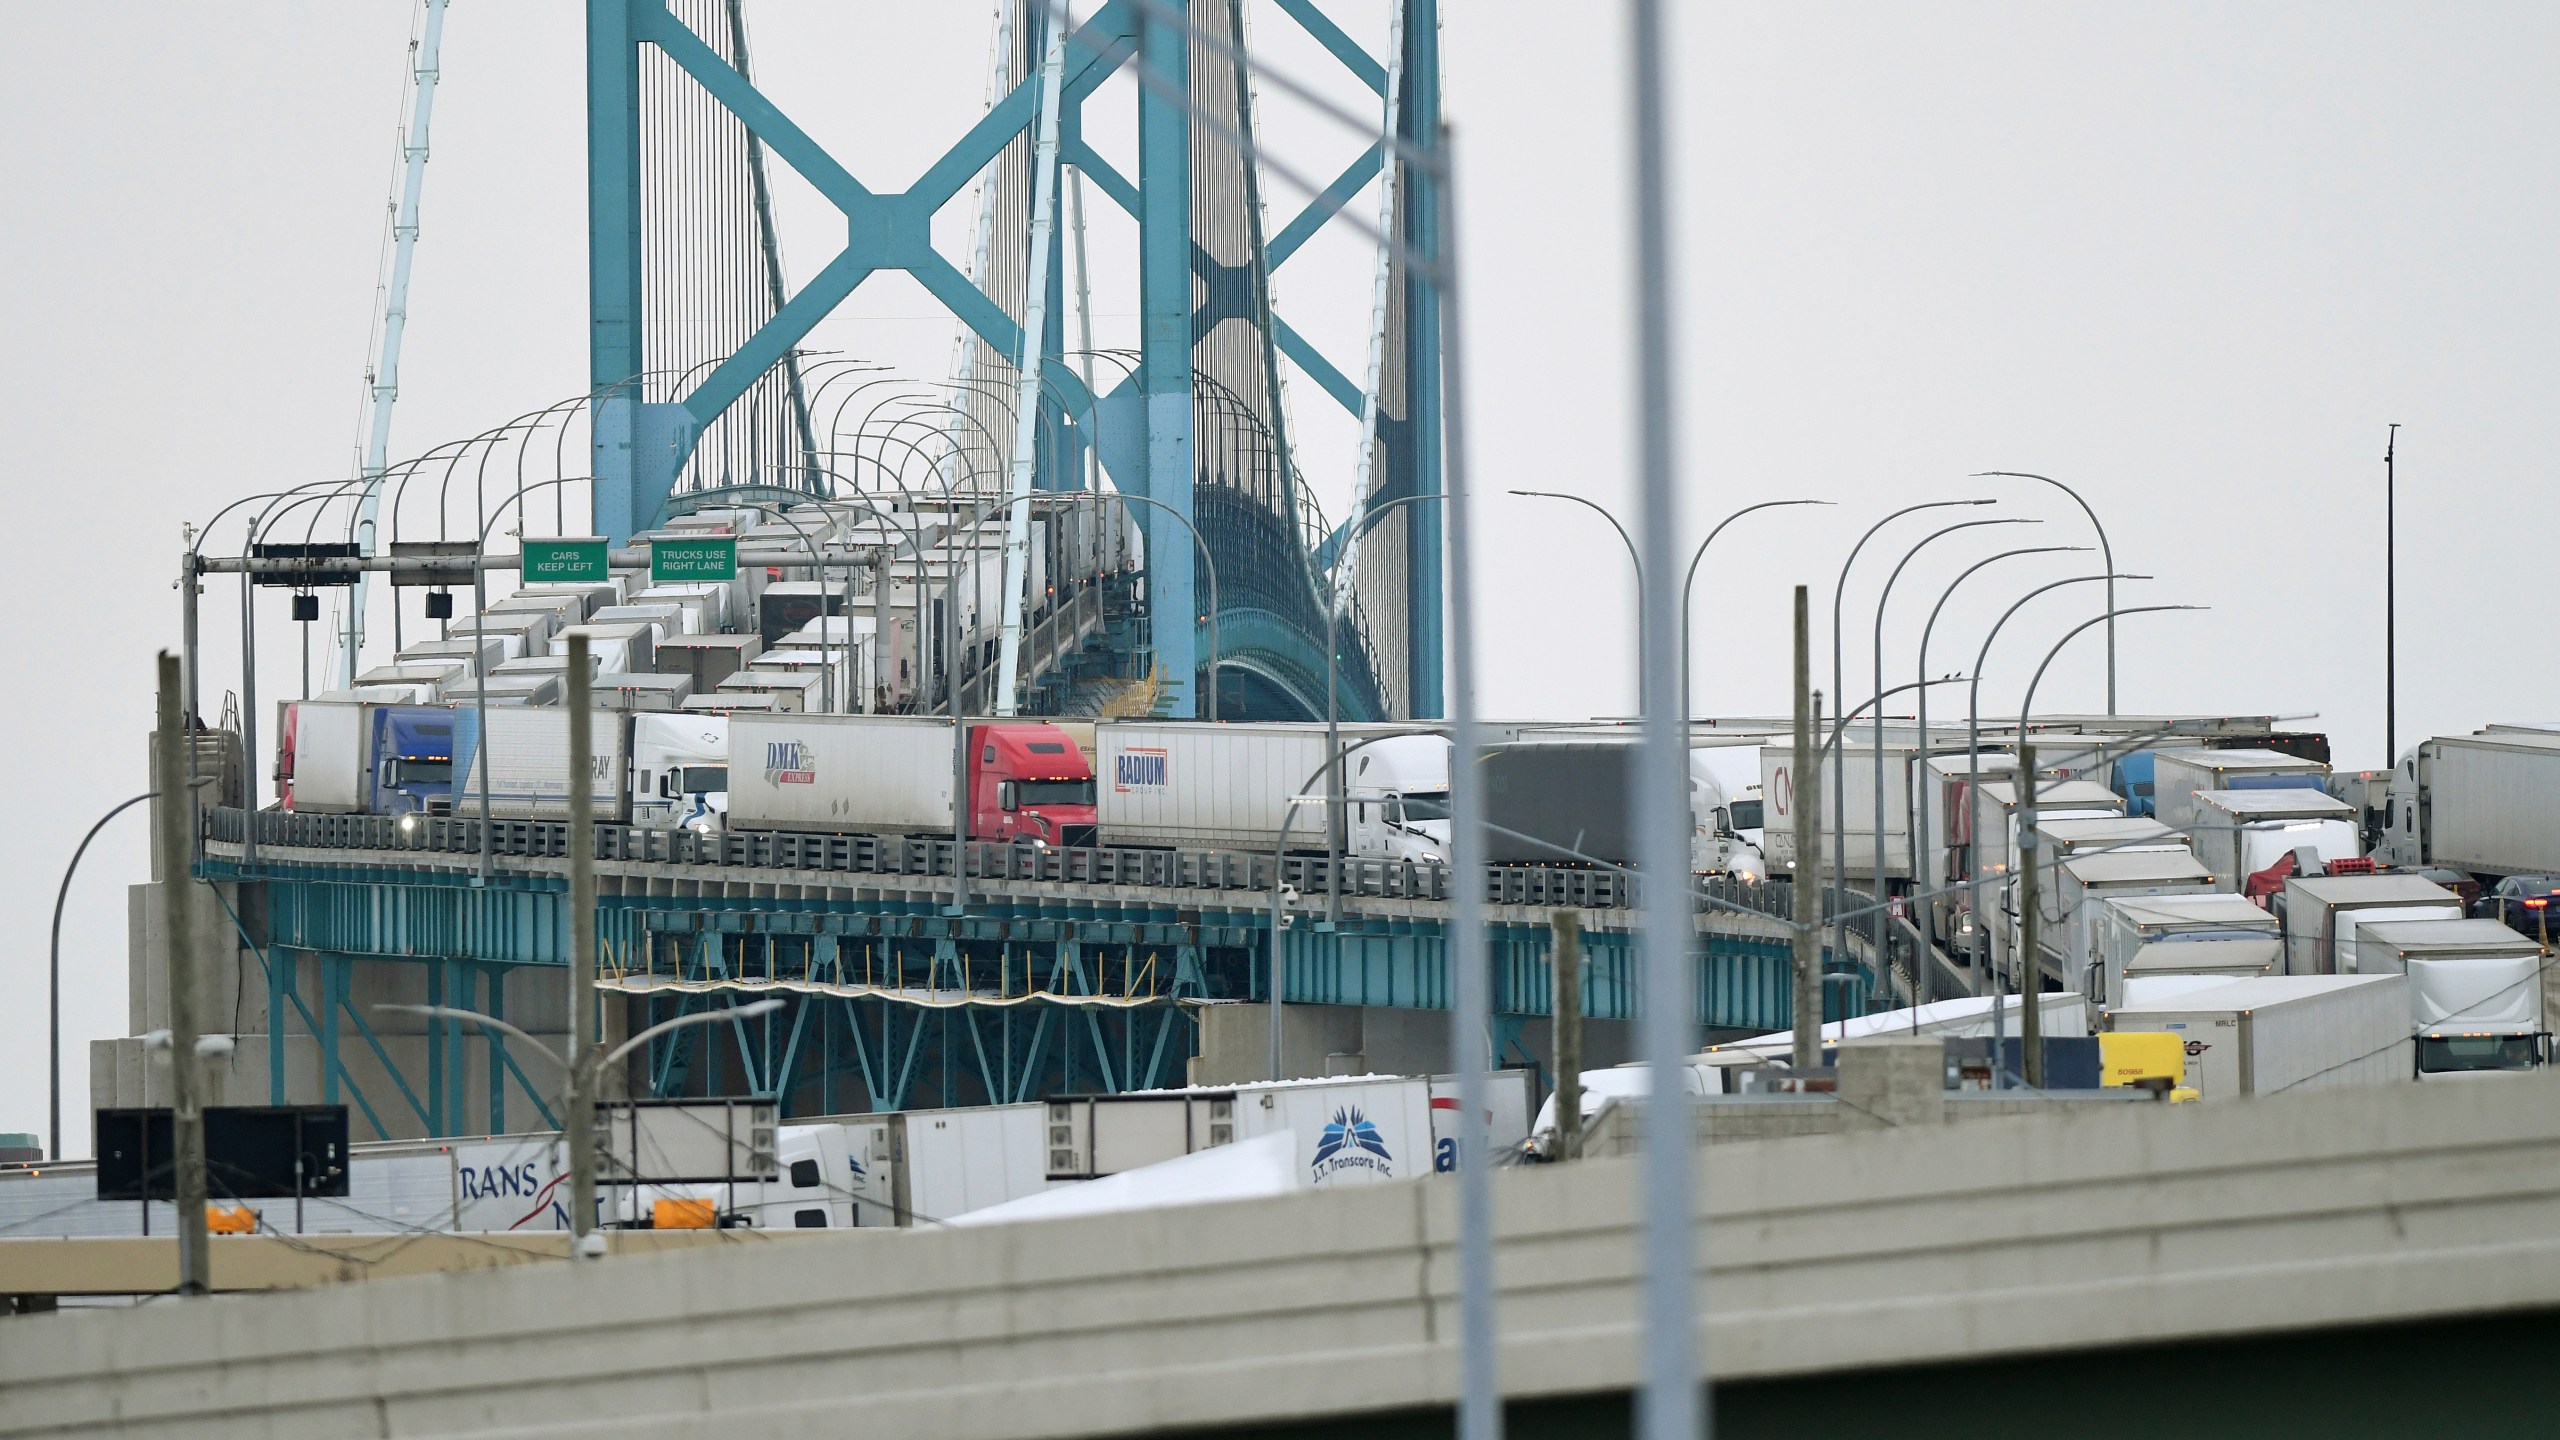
{"points": [[2179, 934], [2321, 913], [2178, 776], [2284, 1032]]}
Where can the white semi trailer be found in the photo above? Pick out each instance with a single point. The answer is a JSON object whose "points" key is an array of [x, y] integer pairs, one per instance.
{"points": [[2479, 803], [2283, 1032]]}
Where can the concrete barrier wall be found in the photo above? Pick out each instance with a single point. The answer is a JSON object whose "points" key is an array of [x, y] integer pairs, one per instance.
{"points": [[1913, 1244]]}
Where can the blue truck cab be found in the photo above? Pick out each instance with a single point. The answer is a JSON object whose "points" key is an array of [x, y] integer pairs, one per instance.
{"points": [[412, 749]]}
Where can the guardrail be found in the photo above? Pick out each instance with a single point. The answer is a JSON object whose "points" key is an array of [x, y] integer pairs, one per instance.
{"points": [[1212, 870]]}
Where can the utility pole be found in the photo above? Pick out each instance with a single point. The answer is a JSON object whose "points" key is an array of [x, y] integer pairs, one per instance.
{"points": [[1566, 970], [186, 1067], [578, 1125], [2030, 942], [1806, 807], [2390, 601]]}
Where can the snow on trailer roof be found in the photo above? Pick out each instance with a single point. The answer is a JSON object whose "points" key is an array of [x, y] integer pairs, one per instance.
{"points": [[2450, 937], [2295, 804], [2202, 957], [2253, 993], [2204, 759], [2385, 889], [2191, 910], [2056, 794], [2135, 867]]}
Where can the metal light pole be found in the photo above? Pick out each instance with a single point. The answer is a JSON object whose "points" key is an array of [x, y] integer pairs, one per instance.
{"points": [[1875, 832], [2031, 858], [1334, 842], [54, 990], [1839, 688], [1690, 583], [1634, 560], [1973, 797], [480, 670], [2106, 557], [1920, 793], [579, 1113], [2390, 600]]}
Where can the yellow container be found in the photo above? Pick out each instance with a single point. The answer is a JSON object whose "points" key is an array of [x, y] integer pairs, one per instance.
{"points": [[2154, 1059], [230, 1220], [684, 1215]]}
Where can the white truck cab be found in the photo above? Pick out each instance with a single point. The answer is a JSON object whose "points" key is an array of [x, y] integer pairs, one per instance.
{"points": [[1724, 799], [680, 771], [1396, 795]]}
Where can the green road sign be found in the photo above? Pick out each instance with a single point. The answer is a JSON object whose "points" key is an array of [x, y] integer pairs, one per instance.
{"points": [[710, 558], [564, 562]]}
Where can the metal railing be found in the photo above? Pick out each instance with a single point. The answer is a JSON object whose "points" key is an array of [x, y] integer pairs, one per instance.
{"points": [[1213, 870]]}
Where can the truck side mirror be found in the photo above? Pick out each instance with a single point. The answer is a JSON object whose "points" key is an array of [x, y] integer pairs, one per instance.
{"points": [[1006, 798]]}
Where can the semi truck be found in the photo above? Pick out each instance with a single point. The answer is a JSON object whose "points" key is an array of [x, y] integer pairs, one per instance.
{"points": [[357, 758], [892, 775], [2283, 1032], [2321, 913], [2477, 803], [1237, 786], [2476, 992]]}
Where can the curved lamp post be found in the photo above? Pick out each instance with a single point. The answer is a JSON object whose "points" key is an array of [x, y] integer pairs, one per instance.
{"points": [[1687, 584], [1875, 821], [2106, 560], [53, 1070], [2031, 861], [1633, 559], [1973, 783], [1839, 686], [1920, 793]]}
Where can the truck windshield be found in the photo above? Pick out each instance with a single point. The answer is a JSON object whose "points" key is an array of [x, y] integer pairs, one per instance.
{"points": [[1746, 815], [1054, 792], [703, 779], [1424, 805], [2438, 1054], [421, 772]]}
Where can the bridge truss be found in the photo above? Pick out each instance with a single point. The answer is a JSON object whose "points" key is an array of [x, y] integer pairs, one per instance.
{"points": [[699, 383]]}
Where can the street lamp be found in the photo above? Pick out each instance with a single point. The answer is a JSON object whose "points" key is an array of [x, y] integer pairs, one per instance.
{"points": [[1973, 778], [2106, 558], [1691, 581], [1633, 559], [1839, 687], [54, 1068], [1333, 837], [1875, 822], [1920, 793], [583, 1071], [2031, 864]]}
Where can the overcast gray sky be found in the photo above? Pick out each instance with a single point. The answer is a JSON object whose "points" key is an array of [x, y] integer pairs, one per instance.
{"points": [[2192, 258]]}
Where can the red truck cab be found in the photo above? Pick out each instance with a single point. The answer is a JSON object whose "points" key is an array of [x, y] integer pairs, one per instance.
{"points": [[1029, 781]]}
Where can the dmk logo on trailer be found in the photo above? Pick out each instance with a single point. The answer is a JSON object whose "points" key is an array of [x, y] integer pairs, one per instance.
{"points": [[1351, 1142], [788, 762], [1141, 769]]}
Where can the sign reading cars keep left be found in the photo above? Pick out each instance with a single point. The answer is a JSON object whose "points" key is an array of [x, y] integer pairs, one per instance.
{"points": [[565, 562]]}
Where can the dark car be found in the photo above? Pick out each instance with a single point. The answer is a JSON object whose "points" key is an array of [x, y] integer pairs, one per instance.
{"points": [[2522, 903]]}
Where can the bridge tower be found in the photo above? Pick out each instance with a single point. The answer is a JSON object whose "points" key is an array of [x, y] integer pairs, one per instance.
{"points": [[697, 383]]}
